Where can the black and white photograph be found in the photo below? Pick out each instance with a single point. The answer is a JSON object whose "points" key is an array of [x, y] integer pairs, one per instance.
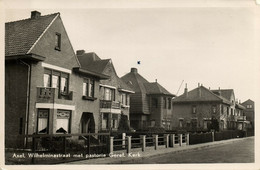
{"points": [[165, 84]]}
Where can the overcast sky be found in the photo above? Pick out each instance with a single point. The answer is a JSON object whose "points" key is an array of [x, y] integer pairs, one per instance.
{"points": [[215, 44]]}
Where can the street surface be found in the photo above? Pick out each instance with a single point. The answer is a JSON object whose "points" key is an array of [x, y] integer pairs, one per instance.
{"points": [[236, 152]]}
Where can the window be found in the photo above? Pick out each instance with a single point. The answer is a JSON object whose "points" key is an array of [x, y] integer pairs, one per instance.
{"points": [[114, 120], [88, 88], [58, 41], [227, 111], [155, 102], [124, 100], [109, 94], [63, 121], [56, 79], [194, 109], [164, 103], [214, 109], [105, 121], [42, 124], [169, 103], [47, 80], [222, 109], [180, 123], [232, 112], [249, 106]]}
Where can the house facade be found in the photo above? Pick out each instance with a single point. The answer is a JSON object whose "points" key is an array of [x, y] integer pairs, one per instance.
{"points": [[235, 117], [249, 112], [151, 104], [44, 82], [196, 110], [113, 92]]}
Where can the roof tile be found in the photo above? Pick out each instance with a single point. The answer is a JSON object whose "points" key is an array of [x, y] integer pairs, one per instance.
{"points": [[21, 35]]}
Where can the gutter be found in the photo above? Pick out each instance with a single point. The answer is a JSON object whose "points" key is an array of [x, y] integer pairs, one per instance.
{"points": [[27, 101]]}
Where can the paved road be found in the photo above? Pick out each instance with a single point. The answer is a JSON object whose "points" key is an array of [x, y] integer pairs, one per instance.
{"points": [[236, 152]]}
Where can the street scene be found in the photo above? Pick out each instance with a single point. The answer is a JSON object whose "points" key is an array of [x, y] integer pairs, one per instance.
{"points": [[130, 87], [238, 152]]}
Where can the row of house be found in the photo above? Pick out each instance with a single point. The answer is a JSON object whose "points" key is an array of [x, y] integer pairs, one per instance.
{"points": [[196, 109], [51, 89]]}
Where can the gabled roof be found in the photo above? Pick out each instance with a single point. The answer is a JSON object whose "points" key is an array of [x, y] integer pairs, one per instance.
{"points": [[226, 93], [156, 88], [90, 61], [200, 94], [247, 101], [93, 63], [240, 106], [20, 36], [135, 81]]}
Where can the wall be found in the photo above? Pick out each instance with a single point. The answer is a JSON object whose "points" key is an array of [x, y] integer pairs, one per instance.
{"points": [[15, 101], [184, 110]]}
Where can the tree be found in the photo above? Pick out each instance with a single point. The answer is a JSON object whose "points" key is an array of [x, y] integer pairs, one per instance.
{"points": [[123, 124], [214, 124]]}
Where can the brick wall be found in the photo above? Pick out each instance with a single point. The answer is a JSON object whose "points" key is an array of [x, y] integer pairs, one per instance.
{"points": [[15, 101]]}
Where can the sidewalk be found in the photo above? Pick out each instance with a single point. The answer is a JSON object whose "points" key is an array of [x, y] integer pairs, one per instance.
{"points": [[119, 157]]}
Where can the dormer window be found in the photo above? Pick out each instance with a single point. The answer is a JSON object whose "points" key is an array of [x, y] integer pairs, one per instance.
{"points": [[58, 41]]}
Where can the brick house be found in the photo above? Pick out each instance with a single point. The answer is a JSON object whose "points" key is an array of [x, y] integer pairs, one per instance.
{"points": [[249, 111], [235, 118], [113, 92], [44, 81], [151, 105], [194, 110]]}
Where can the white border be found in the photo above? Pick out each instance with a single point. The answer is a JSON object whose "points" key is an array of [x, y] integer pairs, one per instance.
{"points": [[55, 106], [56, 68], [111, 87]]}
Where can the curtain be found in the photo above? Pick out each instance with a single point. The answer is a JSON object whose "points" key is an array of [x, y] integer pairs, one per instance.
{"points": [[42, 125], [47, 80], [62, 123]]}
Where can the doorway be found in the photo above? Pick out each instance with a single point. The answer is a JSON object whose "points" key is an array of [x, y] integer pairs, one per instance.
{"points": [[87, 123]]}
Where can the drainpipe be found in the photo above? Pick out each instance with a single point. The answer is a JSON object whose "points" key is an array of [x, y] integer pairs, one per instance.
{"points": [[27, 102]]}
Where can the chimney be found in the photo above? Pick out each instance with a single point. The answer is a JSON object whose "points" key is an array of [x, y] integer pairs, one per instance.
{"points": [[219, 92], [209, 88], [35, 14], [199, 92], [186, 90], [156, 80], [198, 84], [133, 70], [80, 52]]}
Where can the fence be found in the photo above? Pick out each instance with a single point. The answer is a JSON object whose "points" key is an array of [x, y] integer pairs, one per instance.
{"points": [[65, 147], [128, 142], [196, 138]]}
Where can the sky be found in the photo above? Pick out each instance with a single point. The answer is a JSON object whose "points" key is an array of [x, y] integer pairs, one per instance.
{"points": [[177, 42]]}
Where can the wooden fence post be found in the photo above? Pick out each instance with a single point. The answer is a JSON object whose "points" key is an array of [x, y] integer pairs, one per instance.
{"points": [[212, 133], [180, 139], [143, 142], [33, 149], [187, 139], [123, 140], [172, 140], [111, 142], [155, 137], [128, 150], [166, 140]]}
